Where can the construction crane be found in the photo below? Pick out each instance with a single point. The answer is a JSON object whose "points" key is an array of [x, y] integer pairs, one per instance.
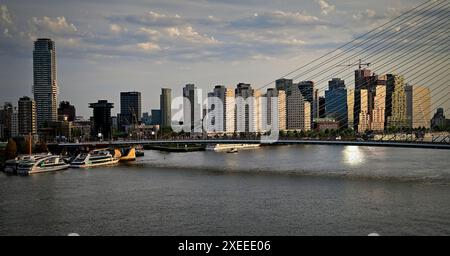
{"points": [[133, 120], [360, 64]]}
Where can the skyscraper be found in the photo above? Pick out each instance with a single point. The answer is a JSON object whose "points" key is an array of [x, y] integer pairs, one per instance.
{"points": [[284, 84], [364, 79], [280, 96], [27, 116], [14, 123], [130, 108], [247, 112], [221, 106], [336, 101], [316, 104], [102, 123], [378, 112], [364, 114], [395, 86], [45, 87], [350, 107], [165, 102], [5, 120], [307, 90], [192, 107], [418, 106], [298, 111]]}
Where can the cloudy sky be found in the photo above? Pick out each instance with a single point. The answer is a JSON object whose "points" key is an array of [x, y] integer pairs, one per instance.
{"points": [[108, 46]]}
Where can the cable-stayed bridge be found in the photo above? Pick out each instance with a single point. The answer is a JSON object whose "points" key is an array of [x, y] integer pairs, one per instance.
{"points": [[415, 45]]}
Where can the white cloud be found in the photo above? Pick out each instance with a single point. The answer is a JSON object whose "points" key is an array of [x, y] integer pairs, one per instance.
{"points": [[189, 34], [149, 31], [57, 25], [5, 16], [149, 46], [117, 28], [366, 14], [151, 18], [271, 38], [325, 7]]}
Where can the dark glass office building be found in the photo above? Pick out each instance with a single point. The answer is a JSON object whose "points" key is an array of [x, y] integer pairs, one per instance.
{"points": [[156, 117], [336, 101], [130, 108], [102, 123]]}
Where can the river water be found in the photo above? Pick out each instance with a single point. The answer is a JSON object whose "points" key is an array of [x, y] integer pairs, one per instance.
{"points": [[282, 190]]}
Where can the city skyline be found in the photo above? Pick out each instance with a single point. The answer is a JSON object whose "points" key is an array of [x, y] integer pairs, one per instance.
{"points": [[145, 78]]}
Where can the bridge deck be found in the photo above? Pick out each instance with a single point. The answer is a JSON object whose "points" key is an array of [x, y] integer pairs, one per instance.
{"points": [[279, 142]]}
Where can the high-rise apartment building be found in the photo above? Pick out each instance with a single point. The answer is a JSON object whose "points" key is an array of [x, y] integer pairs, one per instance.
{"points": [[221, 110], [364, 114], [364, 79], [165, 102], [378, 111], [350, 107], [284, 84], [27, 116], [247, 108], [192, 108], [418, 106], [307, 90], [45, 87], [298, 111], [277, 97], [395, 86], [15, 123]]}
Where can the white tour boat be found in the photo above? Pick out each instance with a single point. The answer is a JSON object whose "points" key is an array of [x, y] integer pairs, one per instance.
{"points": [[46, 164], [98, 157]]}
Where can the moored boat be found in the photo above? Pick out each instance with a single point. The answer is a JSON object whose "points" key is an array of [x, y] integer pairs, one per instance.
{"points": [[46, 164], [128, 154], [139, 151], [12, 164], [98, 157]]}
